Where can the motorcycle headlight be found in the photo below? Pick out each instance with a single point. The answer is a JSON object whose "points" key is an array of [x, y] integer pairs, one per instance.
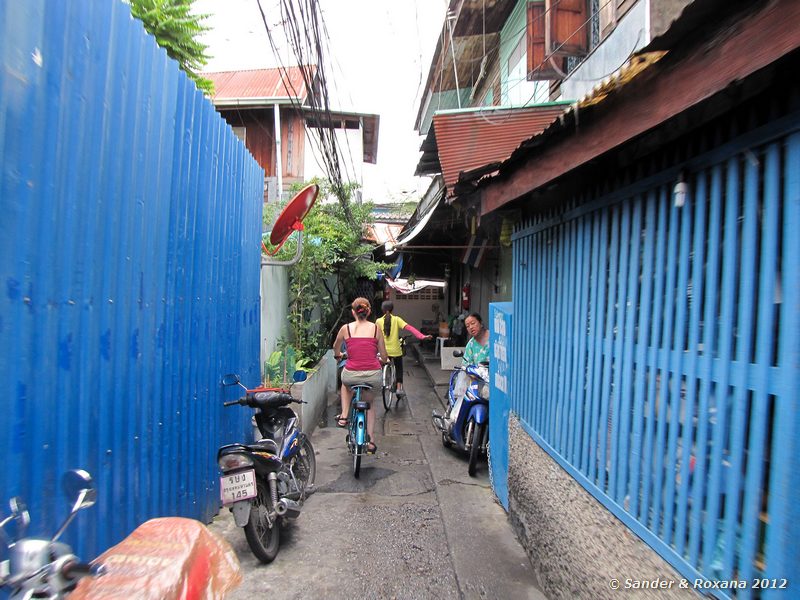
{"points": [[483, 391], [229, 462]]}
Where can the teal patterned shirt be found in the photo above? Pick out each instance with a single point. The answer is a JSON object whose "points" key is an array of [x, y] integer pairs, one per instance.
{"points": [[474, 353]]}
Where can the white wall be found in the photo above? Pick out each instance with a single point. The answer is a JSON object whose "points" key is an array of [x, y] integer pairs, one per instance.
{"points": [[274, 308], [630, 34], [415, 311]]}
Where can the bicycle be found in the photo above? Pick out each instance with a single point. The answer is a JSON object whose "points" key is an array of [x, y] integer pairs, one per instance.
{"points": [[357, 437], [389, 379], [389, 387]]}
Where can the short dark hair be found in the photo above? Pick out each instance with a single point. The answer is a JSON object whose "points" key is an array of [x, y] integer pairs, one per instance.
{"points": [[475, 315]]}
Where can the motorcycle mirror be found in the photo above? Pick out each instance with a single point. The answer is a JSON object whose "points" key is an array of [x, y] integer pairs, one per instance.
{"points": [[230, 379], [20, 512], [80, 490]]}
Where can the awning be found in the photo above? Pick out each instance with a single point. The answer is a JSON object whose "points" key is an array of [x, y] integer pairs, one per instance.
{"points": [[425, 209], [461, 141], [402, 285], [338, 119]]}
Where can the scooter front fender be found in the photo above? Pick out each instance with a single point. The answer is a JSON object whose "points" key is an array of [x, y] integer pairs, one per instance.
{"points": [[479, 413], [241, 512]]}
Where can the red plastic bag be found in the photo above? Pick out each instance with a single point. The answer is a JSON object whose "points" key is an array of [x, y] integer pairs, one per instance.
{"points": [[170, 558]]}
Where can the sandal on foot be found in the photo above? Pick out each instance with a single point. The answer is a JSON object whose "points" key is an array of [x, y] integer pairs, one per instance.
{"points": [[371, 448], [341, 421]]}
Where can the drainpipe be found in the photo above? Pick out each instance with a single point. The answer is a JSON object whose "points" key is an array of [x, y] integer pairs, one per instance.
{"points": [[278, 158]]}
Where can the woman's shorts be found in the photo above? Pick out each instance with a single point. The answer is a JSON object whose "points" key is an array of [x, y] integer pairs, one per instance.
{"points": [[373, 378]]}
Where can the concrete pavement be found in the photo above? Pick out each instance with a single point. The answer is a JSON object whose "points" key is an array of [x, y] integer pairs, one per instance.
{"points": [[415, 525]]}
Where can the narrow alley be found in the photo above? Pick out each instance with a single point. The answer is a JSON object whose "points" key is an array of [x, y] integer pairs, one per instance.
{"points": [[414, 525]]}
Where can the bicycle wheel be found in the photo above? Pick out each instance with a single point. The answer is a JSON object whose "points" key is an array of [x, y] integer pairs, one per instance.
{"points": [[388, 388], [357, 462]]}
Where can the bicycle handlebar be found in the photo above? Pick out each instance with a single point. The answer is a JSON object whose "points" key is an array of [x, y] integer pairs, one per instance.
{"points": [[74, 570], [262, 399]]}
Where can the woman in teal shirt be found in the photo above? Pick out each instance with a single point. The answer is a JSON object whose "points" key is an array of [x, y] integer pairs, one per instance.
{"points": [[477, 350]]}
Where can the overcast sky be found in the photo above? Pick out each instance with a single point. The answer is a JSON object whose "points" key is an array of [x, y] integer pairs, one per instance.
{"points": [[380, 52]]}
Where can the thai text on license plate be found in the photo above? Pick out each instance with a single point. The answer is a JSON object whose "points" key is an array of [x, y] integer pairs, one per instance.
{"points": [[238, 486]]}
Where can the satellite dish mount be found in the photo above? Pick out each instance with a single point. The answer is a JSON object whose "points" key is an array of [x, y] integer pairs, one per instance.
{"points": [[289, 221]]}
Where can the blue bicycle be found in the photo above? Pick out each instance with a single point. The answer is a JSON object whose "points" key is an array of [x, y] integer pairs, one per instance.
{"points": [[357, 438]]}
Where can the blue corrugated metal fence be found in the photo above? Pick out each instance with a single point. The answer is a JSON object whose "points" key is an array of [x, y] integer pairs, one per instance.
{"points": [[660, 360], [129, 259]]}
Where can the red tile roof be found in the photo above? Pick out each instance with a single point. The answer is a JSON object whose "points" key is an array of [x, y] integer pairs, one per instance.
{"points": [[259, 83]]}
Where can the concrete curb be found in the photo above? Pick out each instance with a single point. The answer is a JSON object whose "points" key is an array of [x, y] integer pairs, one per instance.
{"points": [[431, 365]]}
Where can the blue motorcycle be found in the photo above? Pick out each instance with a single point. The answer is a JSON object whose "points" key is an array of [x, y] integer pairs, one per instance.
{"points": [[266, 483], [465, 425]]}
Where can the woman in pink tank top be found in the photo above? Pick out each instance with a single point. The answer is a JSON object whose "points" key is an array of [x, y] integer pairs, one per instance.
{"points": [[364, 342]]}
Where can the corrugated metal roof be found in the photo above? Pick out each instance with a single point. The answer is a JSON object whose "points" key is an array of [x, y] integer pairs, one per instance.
{"points": [[467, 139], [259, 83]]}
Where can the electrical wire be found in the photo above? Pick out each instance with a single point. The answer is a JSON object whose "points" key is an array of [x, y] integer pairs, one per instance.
{"points": [[304, 27], [334, 62]]}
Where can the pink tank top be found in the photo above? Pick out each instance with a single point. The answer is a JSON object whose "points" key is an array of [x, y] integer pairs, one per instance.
{"points": [[362, 352]]}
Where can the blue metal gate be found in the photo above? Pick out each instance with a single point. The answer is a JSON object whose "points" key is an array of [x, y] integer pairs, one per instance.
{"points": [[129, 261], [657, 355]]}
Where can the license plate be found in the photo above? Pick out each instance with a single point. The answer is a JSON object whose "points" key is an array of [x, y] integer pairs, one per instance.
{"points": [[237, 486]]}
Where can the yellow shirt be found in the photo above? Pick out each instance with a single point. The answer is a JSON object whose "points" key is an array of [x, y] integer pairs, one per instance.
{"points": [[393, 339]]}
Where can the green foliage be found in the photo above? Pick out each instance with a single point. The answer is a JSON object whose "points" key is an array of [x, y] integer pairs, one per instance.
{"points": [[281, 365], [176, 30], [334, 257]]}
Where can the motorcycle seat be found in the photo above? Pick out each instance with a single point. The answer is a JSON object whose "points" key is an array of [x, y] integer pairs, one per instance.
{"points": [[265, 445]]}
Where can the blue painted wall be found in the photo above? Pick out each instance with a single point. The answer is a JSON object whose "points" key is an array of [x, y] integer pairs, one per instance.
{"points": [[130, 220], [501, 342]]}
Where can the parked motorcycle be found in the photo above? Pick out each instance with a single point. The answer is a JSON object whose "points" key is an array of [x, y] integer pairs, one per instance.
{"points": [[265, 483], [465, 424], [46, 568], [162, 559]]}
